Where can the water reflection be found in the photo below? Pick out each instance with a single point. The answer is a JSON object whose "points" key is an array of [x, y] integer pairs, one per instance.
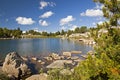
{"points": [[40, 47]]}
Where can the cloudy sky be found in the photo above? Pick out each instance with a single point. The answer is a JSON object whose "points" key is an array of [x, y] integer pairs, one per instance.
{"points": [[49, 15]]}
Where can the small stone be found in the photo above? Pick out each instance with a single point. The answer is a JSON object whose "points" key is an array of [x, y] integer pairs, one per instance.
{"points": [[74, 57], [77, 60], [55, 56], [67, 54], [42, 63], [48, 58], [39, 61], [34, 58], [76, 52], [24, 58]]}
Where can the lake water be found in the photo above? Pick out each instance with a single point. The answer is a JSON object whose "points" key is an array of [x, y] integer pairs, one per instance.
{"points": [[40, 47]]}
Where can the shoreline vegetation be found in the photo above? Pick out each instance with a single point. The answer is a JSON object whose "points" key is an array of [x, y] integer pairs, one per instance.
{"points": [[79, 34]]}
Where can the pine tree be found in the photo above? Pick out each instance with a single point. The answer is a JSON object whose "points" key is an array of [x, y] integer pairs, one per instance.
{"points": [[111, 10]]}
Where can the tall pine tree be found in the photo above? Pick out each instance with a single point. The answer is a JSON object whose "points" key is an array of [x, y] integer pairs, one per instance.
{"points": [[111, 10]]}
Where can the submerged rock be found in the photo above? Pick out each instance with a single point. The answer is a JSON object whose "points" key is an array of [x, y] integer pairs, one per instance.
{"points": [[14, 65]]}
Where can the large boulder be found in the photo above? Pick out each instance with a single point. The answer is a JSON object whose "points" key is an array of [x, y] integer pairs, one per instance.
{"points": [[42, 76], [14, 65], [60, 64]]}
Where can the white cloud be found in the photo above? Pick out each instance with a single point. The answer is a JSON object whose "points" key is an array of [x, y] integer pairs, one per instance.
{"points": [[63, 28], [66, 20], [36, 29], [92, 13], [95, 12], [100, 22], [24, 31], [52, 4], [73, 27], [94, 24], [43, 23], [44, 4], [119, 21], [24, 21], [99, 6], [47, 14], [99, 18]]}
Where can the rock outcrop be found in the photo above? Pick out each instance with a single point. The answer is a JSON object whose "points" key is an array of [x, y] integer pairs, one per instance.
{"points": [[14, 65], [60, 64]]}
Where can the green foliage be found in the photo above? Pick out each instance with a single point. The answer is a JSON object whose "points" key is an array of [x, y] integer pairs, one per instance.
{"points": [[101, 68], [57, 33], [111, 10], [82, 29], [17, 33], [7, 33], [32, 32], [62, 32], [3, 77], [69, 32], [55, 75]]}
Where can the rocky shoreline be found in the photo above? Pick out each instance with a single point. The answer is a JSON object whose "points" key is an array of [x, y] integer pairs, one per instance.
{"points": [[19, 68]]}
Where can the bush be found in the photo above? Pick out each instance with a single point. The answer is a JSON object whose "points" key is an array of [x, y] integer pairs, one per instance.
{"points": [[3, 77]]}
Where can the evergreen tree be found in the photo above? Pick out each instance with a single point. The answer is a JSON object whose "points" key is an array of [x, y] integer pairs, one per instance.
{"points": [[111, 10]]}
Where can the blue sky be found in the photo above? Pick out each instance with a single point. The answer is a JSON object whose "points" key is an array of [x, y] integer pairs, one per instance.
{"points": [[49, 15]]}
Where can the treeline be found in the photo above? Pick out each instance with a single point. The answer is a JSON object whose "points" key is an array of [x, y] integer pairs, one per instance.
{"points": [[81, 29], [16, 33], [9, 33]]}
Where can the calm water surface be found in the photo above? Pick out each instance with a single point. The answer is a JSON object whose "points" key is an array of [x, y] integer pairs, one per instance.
{"points": [[40, 47]]}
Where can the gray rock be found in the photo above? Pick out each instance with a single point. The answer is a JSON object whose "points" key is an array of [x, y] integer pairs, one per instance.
{"points": [[34, 58], [59, 64], [48, 58], [76, 52], [84, 56], [74, 57], [24, 58], [78, 60], [15, 65], [68, 54], [55, 56], [42, 76]]}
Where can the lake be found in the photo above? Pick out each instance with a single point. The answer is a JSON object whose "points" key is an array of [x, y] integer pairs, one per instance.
{"points": [[40, 47]]}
